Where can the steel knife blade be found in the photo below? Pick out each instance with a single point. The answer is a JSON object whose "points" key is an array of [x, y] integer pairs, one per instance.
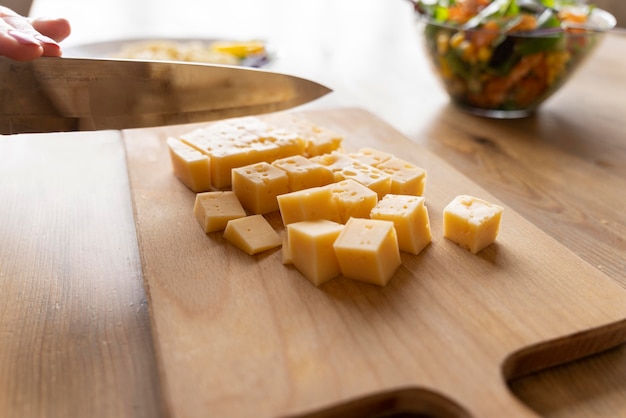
{"points": [[72, 94]]}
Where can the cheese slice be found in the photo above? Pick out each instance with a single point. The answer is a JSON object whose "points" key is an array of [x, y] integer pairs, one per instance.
{"points": [[258, 185], [252, 234], [311, 249], [367, 250], [410, 218], [214, 209], [190, 166], [471, 222]]}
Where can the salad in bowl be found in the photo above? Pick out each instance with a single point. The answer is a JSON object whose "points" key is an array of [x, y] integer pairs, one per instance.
{"points": [[503, 58]]}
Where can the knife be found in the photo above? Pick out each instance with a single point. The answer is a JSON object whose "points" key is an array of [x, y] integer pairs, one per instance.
{"points": [[78, 94]]}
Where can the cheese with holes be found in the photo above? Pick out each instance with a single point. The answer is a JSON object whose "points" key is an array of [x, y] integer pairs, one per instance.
{"points": [[307, 205], [214, 209], [318, 140], [258, 185], [353, 199], [304, 173], [252, 234], [311, 249], [190, 166], [406, 178], [367, 175], [371, 156], [471, 222], [367, 250], [410, 218]]}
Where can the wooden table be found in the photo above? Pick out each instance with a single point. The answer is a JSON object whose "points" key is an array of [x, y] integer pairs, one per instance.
{"points": [[75, 336]]}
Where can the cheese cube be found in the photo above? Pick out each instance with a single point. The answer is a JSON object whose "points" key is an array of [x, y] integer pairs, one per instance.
{"points": [[311, 249], [367, 250], [304, 173], [190, 166], [354, 200], [410, 218], [213, 210], [406, 178], [334, 161], [258, 185], [318, 140], [252, 234], [471, 222], [371, 156], [307, 205], [367, 175]]}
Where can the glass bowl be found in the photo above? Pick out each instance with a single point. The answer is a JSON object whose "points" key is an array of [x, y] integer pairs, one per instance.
{"points": [[505, 75]]}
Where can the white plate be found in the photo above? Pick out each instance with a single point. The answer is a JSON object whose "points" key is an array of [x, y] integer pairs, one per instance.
{"points": [[113, 49]]}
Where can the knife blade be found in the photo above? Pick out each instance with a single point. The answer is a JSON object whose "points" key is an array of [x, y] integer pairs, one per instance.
{"points": [[69, 94]]}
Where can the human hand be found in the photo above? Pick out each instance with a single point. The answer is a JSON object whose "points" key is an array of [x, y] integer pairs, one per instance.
{"points": [[24, 39]]}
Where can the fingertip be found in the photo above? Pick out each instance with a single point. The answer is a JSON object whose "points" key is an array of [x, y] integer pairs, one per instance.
{"points": [[55, 28]]}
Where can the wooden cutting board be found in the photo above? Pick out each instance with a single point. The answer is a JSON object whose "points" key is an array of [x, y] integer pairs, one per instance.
{"points": [[246, 336]]}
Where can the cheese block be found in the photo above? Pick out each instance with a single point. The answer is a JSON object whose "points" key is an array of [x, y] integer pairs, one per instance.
{"points": [[257, 186], [308, 204], [334, 160], [371, 156], [304, 173], [367, 250], [190, 166], [214, 209], [252, 234], [353, 199], [410, 218], [311, 249], [471, 222], [406, 178]]}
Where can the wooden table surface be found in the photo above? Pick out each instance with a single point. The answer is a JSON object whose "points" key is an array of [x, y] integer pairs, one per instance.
{"points": [[75, 337]]}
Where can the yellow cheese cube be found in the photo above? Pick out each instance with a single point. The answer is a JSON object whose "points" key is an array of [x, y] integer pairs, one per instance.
{"points": [[335, 160], [258, 185], [371, 156], [406, 178], [213, 210], [367, 175], [311, 248], [410, 218], [252, 234], [288, 143], [471, 222], [304, 173], [190, 166], [318, 140], [354, 200], [308, 204], [367, 250]]}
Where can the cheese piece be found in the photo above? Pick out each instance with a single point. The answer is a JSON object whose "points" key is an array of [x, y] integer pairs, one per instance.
{"points": [[371, 156], [252, 234], [471, 222], [367, 175], [406, 178], [308, 204], [345, 167], [311, 248], [367, 250], [353, 199], [318, 140], [213, 210], [304, 173], [410, 218], [190, 166], [258, 185]]}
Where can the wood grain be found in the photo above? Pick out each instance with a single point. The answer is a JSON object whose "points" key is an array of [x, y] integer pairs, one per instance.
{"points": [[240, 335], [74, 330]]}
